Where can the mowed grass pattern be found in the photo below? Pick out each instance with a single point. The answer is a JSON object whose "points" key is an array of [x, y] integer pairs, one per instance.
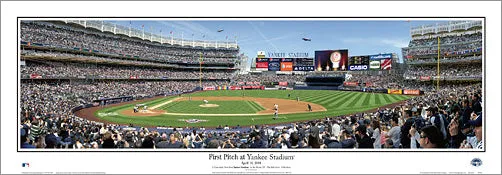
{"points": [[336, 102], [225, 107]]}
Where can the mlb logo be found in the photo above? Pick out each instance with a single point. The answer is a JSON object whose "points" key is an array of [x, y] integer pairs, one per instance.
{"points": [[25, 165]]}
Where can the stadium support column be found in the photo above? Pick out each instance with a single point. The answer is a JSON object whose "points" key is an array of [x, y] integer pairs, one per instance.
{"points": [[438, 76]]}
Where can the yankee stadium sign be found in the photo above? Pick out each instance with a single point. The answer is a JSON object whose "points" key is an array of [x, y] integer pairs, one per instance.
{"points": [[288, 55]]}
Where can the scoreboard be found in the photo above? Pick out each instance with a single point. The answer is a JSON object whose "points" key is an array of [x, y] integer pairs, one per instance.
{"points": [[303, 64], [285, 64]]}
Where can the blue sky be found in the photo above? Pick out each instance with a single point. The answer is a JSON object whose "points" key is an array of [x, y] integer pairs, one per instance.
{"points": [[360, 37]]}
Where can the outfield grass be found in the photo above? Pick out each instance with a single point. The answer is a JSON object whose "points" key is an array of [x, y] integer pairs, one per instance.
{"points": [[336, 103]]}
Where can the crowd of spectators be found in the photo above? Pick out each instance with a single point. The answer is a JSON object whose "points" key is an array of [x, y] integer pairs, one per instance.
{"points": [[450, 46], [48, 69], [446, 71], [473, 37], [445, 59], [445, 50], [63, 36], [449, 118], [44, 99]]}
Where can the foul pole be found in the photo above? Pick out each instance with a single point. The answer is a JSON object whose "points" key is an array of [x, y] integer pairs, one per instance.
{"points": [[200, 70], [438, 76]]}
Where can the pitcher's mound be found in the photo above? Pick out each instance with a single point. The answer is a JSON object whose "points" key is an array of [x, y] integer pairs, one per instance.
{"points": [[209, 105]]}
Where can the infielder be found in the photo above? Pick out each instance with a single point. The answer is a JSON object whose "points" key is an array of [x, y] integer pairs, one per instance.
{"points": [[276, 114]]}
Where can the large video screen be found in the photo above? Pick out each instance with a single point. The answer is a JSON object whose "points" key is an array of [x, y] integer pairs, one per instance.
{"points": [[331, 60], [359, 62]]}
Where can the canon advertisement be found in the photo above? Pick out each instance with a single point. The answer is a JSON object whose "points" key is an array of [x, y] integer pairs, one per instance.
{"points": [[359, 63], [331, 60]]}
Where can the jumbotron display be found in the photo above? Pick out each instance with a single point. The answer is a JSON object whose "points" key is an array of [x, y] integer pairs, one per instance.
{"points": [[331, 60]]}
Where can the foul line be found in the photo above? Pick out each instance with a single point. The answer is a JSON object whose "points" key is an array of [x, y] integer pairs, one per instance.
{"points": [[162, 104], [184, 114], [266, 118]]}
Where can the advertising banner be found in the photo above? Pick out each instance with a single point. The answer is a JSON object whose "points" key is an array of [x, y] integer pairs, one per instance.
{"points": [[209, 88], [359, 63], [303, 64], [133, 77], [394, 91], [331, 60], [274, 65], [358, 67], [253, 87], [381, 56], [263, 65], [368, 84], [284, 83], [386, 64], [375, 65], [411, 92], [350, 83], [303, 68], [425, 78], [35, 76], [253, 83], [287, 60], [286, 66]]}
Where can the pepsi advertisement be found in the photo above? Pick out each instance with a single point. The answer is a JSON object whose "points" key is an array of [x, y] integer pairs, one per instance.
{"points": [[331, 60]]}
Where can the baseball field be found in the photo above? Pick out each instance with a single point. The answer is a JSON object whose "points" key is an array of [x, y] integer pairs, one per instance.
{"points": [[243, 108]]}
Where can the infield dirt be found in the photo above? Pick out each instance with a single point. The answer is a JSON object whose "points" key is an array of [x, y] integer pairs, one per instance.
{"points": [[285, 106]]}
